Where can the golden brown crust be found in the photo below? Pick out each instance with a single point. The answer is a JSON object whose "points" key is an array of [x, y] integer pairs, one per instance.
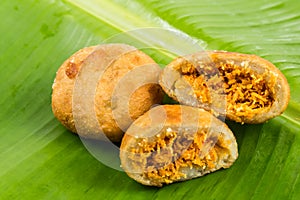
{"points": [[140, 101], [162, 128], [273, 81], [62, 87], [121, 64]]}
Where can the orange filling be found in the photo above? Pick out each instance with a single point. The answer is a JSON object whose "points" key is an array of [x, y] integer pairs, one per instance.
{"points": [[170, 153], [247, 93], [196, 81]]}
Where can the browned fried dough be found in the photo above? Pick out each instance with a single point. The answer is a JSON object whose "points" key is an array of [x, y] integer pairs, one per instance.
{"points": [[114, 61]]}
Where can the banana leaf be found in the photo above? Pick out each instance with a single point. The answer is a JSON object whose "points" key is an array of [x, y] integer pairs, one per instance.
{"points": [[40, 159]]}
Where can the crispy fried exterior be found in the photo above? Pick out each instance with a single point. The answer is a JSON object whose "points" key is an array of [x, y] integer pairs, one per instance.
{"points": [[254, 89], [140, 101], [62, 88], [188, 143]]}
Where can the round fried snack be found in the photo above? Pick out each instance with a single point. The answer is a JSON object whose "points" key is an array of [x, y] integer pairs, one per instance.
{"points": [[172, 143], [85, 88], [252, 88]]}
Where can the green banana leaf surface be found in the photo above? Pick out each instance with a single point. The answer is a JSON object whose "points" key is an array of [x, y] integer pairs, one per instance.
{"points": [[40, 159]]}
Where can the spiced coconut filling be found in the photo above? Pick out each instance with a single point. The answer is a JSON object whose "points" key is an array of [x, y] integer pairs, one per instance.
{"points": [[245, 88], [247, 93], [176, 156]]}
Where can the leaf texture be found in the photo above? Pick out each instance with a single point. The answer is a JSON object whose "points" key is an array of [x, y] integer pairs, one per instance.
{"points": [[40, 159]]}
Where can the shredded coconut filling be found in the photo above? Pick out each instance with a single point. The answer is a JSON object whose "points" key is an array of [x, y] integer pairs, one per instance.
{"points": [[176, 155], [247, 92]]}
